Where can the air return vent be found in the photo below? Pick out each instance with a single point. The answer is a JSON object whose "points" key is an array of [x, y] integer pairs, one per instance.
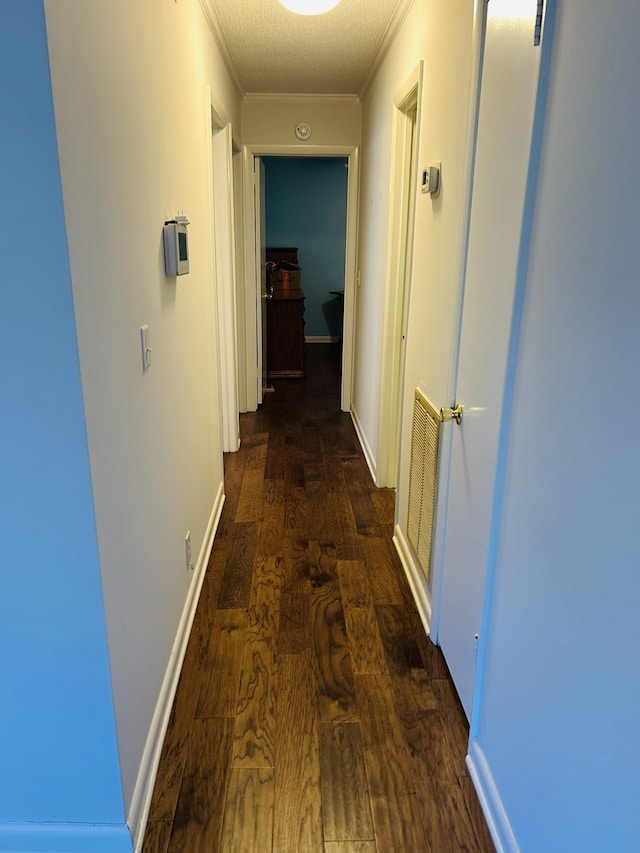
{"points": [[422, 480]]}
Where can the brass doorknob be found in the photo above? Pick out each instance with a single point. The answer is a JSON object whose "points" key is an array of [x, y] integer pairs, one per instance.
{"points": [[452, 414]]}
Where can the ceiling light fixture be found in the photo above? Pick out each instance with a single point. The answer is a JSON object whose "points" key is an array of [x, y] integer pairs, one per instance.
{"points": [[309, 7]]}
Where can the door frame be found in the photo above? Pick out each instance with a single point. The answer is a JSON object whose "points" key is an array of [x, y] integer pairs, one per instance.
{"points": [[402, 203], [252, 299], [221, 184]]}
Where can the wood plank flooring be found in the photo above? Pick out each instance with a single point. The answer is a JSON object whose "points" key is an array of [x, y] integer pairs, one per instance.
{"points": [[312, 714]]}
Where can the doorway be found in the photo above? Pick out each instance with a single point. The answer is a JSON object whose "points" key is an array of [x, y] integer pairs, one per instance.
{"points": [[402, 204], [306, 210], [253, 301]]}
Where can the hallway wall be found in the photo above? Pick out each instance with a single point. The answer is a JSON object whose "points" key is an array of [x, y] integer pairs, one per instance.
{"points": [[272, 119], [129, 84], [60, 781], [439, 33]]}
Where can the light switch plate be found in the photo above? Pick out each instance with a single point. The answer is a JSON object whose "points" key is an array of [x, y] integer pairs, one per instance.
{"points": [[146, 348]]}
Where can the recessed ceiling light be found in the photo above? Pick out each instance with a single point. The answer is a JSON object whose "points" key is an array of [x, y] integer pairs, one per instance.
{"points": [[309, 7]]}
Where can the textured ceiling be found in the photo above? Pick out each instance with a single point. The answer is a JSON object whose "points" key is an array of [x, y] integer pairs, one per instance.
{"points": [[275, 51]]}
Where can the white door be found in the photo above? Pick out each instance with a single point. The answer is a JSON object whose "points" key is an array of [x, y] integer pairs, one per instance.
{"points": [[261, 276], [507, 101]]}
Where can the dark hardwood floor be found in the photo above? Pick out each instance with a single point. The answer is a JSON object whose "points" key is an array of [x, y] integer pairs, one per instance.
{"points": [[312, 713]]}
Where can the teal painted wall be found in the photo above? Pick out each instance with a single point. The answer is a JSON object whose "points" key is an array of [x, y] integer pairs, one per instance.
{"points": [[306, 206], [58, 749]]}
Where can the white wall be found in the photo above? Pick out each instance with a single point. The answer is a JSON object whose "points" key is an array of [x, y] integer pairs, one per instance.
{"points": [[555, 746], [129, 83], [60, 782], [272, 119], [439, 33]]}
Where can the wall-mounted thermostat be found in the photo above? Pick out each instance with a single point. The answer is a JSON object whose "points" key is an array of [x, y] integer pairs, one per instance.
{"points": [[431, 179], [176, 246]]}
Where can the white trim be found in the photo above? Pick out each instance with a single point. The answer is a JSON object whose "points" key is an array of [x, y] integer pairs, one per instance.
{"points": [[141, 800], [397, 20], [295, 98], [364, 444], [221, 198], [249, 283], [65, 838], [321, 339], [352, 152], [415, 578], [213, 21], [397, 281], [350, 275], [237, 165], [491, 801], [300, 149]]}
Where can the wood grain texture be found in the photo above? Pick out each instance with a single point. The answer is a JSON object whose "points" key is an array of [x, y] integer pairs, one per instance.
{"points": [[271, 524], [485, 842], [250, 504], [384, 503], [238, 571], [176, 741], [334, 671], [274, 744], [367, 650], [256, 446], [296, 562], [200, 809], [254, 730], [390, 769], [318, 527], [220, 684], [365, 645], [342, 524], [398, 825], [412, 691], [156, 837], [248, 819], [354, 583], [385, 579], [346, 806], [274, 463], [297, 811], [321, 563], [295, 508], [446, 822], [295, 624], [454, 723]]}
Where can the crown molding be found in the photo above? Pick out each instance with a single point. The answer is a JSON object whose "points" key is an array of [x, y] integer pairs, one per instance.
{"points": [[212, 19], [397, 20]]}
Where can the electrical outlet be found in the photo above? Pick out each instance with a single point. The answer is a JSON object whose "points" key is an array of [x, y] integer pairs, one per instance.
{"points": [[187, 550]]}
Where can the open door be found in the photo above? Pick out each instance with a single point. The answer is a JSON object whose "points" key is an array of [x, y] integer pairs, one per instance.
{"points": [[261, 275], [508, 98]]}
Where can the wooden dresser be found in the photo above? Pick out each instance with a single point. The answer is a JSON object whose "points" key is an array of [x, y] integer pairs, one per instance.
{"points": [[285, 320]]}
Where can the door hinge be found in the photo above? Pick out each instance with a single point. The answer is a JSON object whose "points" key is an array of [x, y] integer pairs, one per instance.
{"points": [[537, 30]]}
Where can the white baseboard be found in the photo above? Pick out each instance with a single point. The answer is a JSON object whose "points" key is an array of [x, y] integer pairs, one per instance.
{"points": [[64, 838], [364, 444], [490, 800], [141, 800], [321, 339], [415, 578]]}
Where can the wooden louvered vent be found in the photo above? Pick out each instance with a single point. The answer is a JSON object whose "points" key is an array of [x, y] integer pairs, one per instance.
{"points": [[423, 479]]}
